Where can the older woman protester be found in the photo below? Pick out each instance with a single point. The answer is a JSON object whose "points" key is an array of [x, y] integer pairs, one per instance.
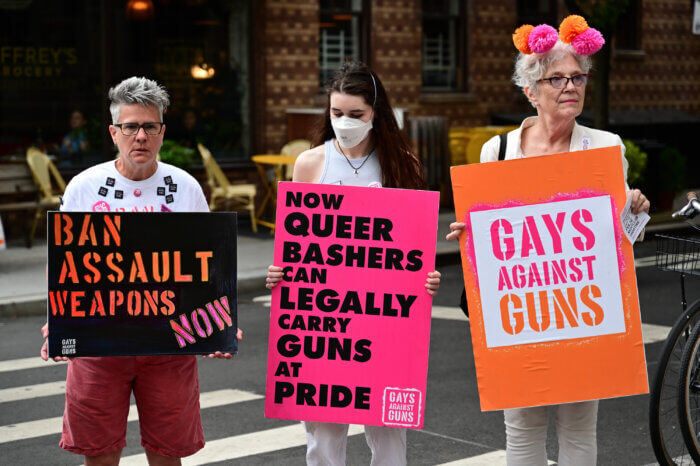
{"points": [[552, 70]]}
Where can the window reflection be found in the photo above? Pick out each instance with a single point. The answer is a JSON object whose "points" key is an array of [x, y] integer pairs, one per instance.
{"points": [[443, 46], [341, 35], [58, 58]]}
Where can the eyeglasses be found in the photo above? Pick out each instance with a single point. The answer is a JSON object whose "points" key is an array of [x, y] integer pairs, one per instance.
{"points": [[131, 129], [560, 82]]}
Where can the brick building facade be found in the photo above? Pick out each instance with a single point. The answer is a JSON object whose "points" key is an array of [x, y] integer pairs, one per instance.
{"points": [[662, 73]]}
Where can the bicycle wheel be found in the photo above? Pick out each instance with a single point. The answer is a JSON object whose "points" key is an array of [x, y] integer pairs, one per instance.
{"points": [[666, 437], [689, 395]]}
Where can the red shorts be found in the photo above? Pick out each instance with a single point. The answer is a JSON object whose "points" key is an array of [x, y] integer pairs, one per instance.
{"points": [[166, 389]]}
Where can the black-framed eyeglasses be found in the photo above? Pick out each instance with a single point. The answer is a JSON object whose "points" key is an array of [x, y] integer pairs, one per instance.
{"points": [[560, 82], [152, 128]]}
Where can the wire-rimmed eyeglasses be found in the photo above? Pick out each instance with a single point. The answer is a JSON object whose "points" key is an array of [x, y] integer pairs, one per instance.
{"points": [[560, 82], [130, 129]]}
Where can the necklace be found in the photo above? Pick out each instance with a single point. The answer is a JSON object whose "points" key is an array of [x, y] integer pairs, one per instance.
{"points": [[350, 163]]}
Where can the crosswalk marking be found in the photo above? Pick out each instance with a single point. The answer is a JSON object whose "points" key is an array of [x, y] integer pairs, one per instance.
{"points": [[645, 262], [32, 391], [651, 332], [492, 458], [448, 312], [240, 446], [31, 429], [25, 363], [264, 300]]}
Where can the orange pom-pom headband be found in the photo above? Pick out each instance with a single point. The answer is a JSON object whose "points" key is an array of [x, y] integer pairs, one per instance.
{"points": [[573, 30]]}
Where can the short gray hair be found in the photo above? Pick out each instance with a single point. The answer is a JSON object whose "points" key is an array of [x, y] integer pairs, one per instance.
{"points": [[141, 91], [531, 68]]}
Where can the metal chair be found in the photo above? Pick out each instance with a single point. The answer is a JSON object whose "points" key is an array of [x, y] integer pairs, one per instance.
{"points": [[293, 149], [479, 135], [223, 193], [43, 171]]}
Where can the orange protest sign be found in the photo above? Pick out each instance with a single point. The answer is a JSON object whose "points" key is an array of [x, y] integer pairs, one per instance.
{"points": [[550, 279]]}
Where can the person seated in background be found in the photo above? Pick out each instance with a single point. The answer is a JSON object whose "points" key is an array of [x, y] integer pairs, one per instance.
{"points": [[192, 132], [75, 143]]}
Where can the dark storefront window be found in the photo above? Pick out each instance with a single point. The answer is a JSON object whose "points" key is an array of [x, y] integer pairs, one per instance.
{"points": [[342, 34], [627, 36], [537, 12], [46, 56], [444, 45], [58, 56]]}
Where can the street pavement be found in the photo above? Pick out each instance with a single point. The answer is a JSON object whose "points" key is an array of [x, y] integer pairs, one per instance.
{"points": [[456, 432]]}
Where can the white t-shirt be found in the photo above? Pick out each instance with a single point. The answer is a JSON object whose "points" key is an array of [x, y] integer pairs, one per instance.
{"points": [[103, 189]]}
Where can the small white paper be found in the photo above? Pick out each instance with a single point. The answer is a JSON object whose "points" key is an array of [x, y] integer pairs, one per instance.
{"points": [[2, 236], [632, 224]]}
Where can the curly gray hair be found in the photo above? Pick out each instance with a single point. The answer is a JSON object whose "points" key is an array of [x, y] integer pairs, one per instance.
{"points": [[529, 69], [141, 91]]}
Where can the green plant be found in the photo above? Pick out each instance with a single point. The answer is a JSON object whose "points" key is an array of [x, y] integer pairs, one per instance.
{"points": [[94, 130], [226, 133], [173, 153], [672, 170], [637, 159]]}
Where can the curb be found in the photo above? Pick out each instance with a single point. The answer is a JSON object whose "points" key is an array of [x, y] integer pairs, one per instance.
{"points": [[24, 308], [36, 305]]}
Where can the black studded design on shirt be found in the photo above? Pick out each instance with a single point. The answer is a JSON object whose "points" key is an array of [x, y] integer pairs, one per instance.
{"points": [[172, 188], [110, 181], [161, 191], [118, 194], [103, 191], [169, 199]]}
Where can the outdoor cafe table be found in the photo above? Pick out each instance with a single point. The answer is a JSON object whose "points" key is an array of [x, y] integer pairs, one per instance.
{"points": [[277, 164]]}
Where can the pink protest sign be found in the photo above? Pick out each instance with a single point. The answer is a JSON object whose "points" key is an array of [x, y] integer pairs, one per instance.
{"points": [[350, 322]]}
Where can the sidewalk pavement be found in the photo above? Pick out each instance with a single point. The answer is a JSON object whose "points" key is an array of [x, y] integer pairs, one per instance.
{"points": [[23, 270]]}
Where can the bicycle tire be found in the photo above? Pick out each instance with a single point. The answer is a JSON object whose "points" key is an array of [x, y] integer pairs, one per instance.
{"points": [[689, 395], [664, 429]]}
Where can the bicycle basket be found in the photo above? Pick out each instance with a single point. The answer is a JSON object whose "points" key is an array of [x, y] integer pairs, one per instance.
{"points": [[678, 254]]}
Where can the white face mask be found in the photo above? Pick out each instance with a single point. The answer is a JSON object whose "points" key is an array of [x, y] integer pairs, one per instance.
{"points": [[350, 131]]}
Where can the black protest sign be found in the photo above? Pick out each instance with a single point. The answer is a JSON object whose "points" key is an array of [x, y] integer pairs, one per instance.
{"points": [[141, 283]]}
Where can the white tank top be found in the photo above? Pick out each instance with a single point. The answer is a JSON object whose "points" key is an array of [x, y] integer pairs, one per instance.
{"points": [[337, 170]]}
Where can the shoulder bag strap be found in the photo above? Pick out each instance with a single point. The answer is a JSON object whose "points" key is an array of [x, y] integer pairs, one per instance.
{"points": [[502, 147]]}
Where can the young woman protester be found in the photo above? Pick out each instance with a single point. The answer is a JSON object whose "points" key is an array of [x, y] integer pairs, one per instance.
{"points": [[358, 144], [552, 70]]}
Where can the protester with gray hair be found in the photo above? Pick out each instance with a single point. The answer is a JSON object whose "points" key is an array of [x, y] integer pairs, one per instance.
{"points": [[166, 388], [552, 70]]}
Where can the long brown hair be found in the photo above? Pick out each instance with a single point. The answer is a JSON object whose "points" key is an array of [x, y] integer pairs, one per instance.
{"points": [[400, 167]]}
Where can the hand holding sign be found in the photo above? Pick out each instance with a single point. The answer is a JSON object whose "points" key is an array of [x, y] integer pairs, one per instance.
{"points": [[219, 354], [634, 215], [275, 274], [44, 352], [456, 229]]}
